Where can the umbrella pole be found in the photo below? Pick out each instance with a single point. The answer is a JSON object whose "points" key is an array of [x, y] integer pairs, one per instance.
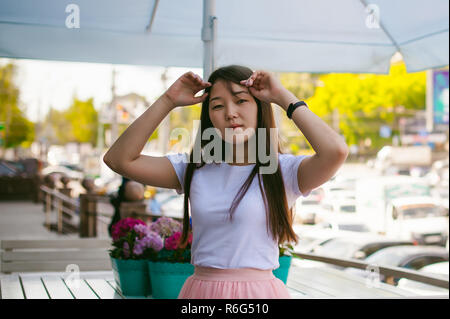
{"points": [[209, 37]]}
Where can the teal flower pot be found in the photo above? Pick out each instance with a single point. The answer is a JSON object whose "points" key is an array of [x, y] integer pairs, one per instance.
{"points": [[167, 279], [283, 271], [132, 276]]}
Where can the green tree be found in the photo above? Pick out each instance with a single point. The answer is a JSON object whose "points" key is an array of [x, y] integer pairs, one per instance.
{"points": [[55, 127], [83, 119], [365, 102], [303, 85], [18, 130], [77, 124]]}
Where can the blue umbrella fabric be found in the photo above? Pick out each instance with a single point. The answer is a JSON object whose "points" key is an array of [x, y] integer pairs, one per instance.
{"points": [[356, 36]]}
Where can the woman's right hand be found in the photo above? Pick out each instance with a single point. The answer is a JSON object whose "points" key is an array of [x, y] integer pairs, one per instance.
{"points": [[182, 92]]}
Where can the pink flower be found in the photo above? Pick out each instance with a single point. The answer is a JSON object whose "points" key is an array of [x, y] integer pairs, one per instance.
{"points": [[171, 243], [124, 226]]}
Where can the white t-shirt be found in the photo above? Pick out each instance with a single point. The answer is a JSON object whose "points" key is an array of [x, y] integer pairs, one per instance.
{"points": [[243, 242]]}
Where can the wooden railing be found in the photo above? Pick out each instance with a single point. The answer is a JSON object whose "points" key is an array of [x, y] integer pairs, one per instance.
{"points": [[383, 270], [63, 203], [88, 220]]}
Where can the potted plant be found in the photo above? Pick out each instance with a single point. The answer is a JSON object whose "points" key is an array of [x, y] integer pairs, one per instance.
{"points": [[134, 245], [173, 265], [285, 258]]}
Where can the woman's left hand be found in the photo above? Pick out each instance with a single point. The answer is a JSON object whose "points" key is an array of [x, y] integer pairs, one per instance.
{"points": [[264, 86]]}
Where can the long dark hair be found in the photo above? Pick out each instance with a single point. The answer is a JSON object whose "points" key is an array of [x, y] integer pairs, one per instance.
{"points": [[279, 216]]}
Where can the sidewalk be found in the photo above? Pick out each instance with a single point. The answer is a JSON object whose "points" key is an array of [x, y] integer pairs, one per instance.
{"points": [[25, 220]]}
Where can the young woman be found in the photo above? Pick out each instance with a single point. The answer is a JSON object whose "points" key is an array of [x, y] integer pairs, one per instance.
{"points": [[240, 213]]}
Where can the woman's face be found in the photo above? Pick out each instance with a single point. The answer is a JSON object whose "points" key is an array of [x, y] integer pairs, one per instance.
{"points": [[233, 108]]}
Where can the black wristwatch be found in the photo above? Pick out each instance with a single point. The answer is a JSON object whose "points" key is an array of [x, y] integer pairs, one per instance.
{"points": [[293, 106]]}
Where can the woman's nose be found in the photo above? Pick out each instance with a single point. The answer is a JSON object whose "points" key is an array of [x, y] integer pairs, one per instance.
{"points": [[231, 111]]}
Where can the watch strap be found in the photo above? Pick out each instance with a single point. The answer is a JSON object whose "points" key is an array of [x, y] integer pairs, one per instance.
{"points": [[293, 106]]}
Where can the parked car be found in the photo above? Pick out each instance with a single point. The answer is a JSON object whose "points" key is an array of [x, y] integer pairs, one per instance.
{"points": [[357, 247], [440, 269], [312, 236], [7, 169], [438, 174], [420, 218], [408, 256], [441, 193], [306, 212], [340, 203], [306, 209], [345, 226]]}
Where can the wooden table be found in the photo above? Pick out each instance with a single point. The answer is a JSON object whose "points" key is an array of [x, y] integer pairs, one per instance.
{"points": [[306, 280]]}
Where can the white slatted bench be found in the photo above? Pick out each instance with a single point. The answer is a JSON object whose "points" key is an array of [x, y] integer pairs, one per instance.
{"points": [[86, 254], [55, 285]]}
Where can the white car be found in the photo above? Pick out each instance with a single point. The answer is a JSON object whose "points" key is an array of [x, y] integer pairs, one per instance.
{"points": [[420, 218], [351, 226], [337, 210], [312, 236], [438, 269]]}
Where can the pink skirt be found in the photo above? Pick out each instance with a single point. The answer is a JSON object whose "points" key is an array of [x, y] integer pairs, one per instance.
{"points": [[239, 283]]}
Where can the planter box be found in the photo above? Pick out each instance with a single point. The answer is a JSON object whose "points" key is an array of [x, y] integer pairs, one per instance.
{"points": [[283, 271], [167, 279], [132, 276]]}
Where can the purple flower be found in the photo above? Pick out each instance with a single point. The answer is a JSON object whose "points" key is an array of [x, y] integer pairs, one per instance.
{"points": [[141, 230], [151, 241], [138, 247]]}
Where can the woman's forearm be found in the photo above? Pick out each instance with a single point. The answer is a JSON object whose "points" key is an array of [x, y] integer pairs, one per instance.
{"points": [[129, 145], [323, 139]]}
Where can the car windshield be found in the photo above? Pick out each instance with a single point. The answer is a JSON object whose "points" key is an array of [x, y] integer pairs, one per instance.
{"points": [[422, 211]]}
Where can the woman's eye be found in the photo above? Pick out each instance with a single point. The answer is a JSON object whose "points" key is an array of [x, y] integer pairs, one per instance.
{"points": [[216, 106]]}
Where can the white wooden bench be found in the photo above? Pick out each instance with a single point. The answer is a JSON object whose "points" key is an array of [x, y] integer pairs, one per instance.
{"points": [[84, 254]]}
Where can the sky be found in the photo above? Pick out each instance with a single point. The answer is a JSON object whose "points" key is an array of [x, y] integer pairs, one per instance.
{"points": [[53, 83]]}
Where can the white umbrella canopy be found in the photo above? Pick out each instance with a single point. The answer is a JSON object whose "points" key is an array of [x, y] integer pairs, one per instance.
{"points": [[355, 36]]}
